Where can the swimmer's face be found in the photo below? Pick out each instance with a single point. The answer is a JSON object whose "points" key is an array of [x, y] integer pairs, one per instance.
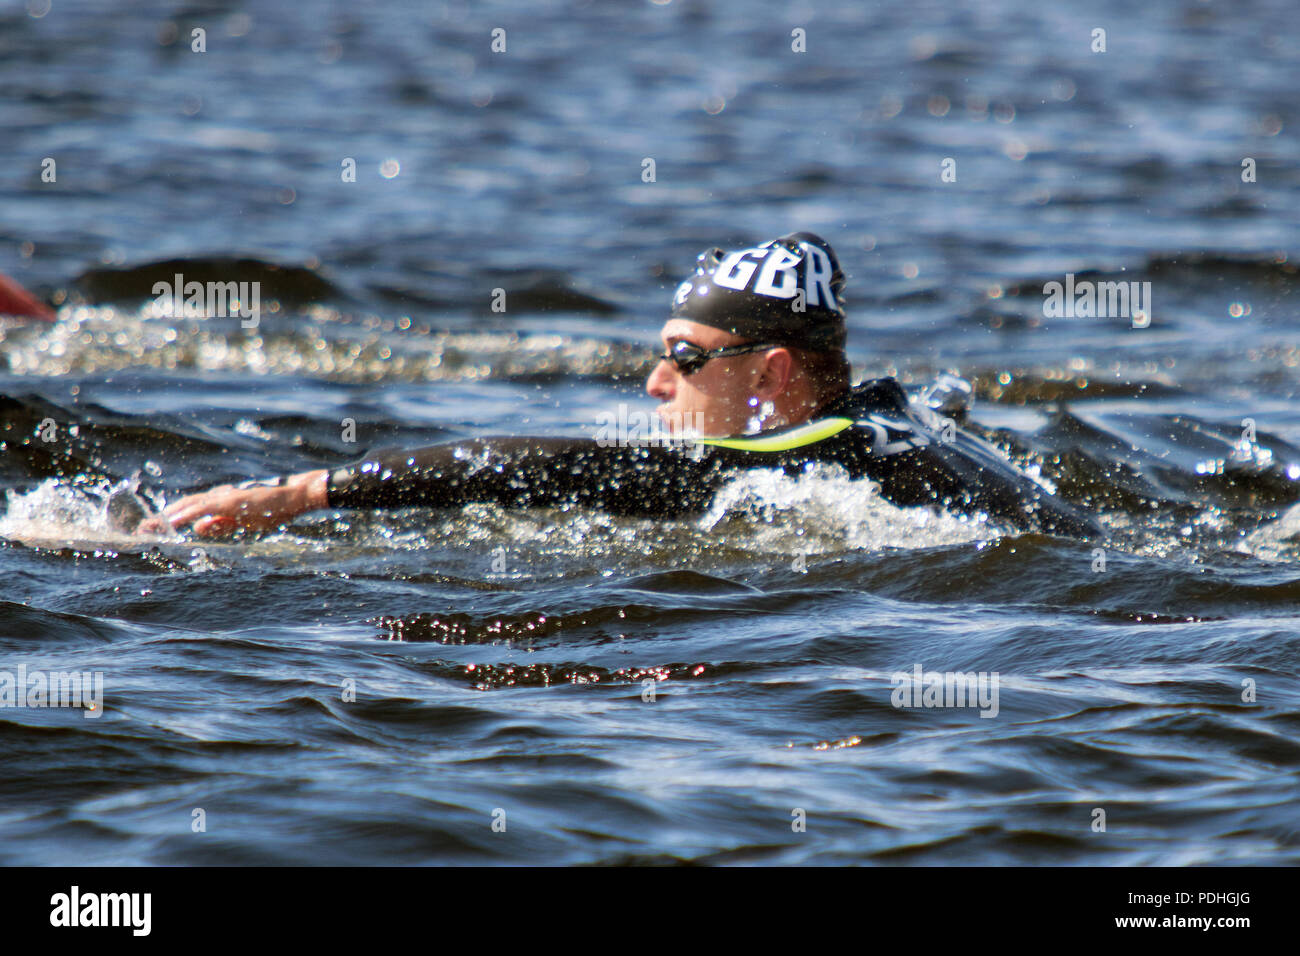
{"points": [[716, 399]]}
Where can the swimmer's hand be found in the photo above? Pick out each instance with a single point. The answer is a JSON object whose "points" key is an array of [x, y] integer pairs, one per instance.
{"points": [[225, 509]]}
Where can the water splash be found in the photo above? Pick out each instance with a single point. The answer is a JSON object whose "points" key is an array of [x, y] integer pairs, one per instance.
{"points": [[85, 508], [1277, 540], [823, 510]]}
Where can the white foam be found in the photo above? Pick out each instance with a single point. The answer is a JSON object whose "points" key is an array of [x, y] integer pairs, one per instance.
{"points": [[1277, 540], [59, 512], [824, 510]]}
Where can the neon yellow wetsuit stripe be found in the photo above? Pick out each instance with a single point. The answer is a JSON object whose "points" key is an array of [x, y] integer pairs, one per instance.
{"points": [[794, 438]]}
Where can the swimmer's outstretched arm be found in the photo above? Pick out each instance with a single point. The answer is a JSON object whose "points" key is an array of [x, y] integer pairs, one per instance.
{"points": [[651, 481], [227, 508]]}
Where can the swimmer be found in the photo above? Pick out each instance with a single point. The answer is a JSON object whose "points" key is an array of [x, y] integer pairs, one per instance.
{"points": [[754, 360]]}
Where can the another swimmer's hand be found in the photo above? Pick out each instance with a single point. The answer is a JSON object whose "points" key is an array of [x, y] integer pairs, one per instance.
{"points": [[226, 509]]}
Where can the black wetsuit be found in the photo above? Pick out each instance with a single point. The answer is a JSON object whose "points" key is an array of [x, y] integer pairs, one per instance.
{"points": [[873, 431]]}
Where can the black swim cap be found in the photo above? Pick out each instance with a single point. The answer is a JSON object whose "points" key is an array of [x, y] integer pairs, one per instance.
{"points": [[786, 291]]}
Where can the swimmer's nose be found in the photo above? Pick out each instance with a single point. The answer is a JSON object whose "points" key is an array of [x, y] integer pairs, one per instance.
{"points": [[659, 384]]}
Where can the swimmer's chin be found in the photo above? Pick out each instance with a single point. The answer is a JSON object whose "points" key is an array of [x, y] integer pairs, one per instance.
{"points": [[685, 426], [671, 420]]}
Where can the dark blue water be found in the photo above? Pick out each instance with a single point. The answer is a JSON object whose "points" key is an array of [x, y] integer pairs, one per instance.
{"points": [[499, 659]]}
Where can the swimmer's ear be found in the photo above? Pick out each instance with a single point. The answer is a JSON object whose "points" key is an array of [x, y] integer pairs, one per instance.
{"points": [[778, 369]]}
